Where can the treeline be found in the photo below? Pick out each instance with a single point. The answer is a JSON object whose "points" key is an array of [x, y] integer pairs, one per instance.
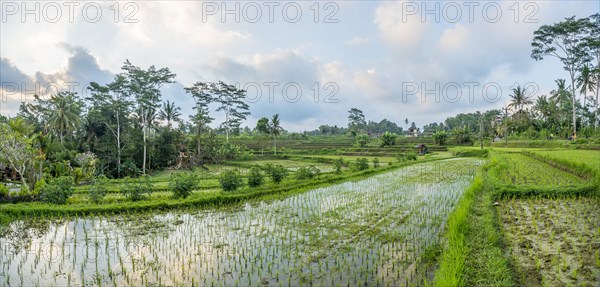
{"points": [[123, 128]]}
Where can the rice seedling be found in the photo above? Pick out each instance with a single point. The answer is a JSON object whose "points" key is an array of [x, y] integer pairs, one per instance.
{"points": [[560, 250], [367, 232]]}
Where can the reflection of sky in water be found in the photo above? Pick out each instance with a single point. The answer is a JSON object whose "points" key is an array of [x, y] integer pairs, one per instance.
{"points": [[364, 231]]}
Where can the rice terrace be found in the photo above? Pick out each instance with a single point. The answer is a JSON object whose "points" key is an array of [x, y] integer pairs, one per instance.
{"points": [[153, 156]]}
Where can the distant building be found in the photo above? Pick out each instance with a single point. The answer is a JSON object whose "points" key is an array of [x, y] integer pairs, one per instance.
{"points": [[414, 132]]}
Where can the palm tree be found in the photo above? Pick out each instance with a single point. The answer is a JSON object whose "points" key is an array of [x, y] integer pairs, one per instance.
{"points": [[561, 100], [63, 114], [519, 100], [275, 128], [170, 113], [586, 82], [542, 106]]}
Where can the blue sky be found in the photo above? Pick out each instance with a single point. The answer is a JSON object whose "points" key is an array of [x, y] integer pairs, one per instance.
{"points": [[384, 57]]}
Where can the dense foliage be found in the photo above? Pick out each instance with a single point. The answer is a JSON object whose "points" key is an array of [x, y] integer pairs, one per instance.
{"points": [[183, 185], [231, 180]]}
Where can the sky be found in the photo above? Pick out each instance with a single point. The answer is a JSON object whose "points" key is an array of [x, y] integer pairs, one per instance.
{"points": [[308, 61]]}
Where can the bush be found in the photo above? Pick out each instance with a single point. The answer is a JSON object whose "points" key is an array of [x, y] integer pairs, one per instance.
{"points": [[58, 190], [406, 156], [229, 151], [129, 169], [375, 162], [135, 189], [3, 191], [361, 140], [410, 155], [39, 186], [183, 185], [277, 172], [361, 163], [471, 152], [98, 189], [307, 172], [339, 163], [440, 137], [255, 178], [231, 180], [388, 139]]}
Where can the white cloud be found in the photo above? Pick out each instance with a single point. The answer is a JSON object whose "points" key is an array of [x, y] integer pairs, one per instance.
{"points": [[357, 41], [369, 54]]}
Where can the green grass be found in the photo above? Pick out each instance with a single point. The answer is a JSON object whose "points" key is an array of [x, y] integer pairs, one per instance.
{"points": [[473, 255], [452, 262]]}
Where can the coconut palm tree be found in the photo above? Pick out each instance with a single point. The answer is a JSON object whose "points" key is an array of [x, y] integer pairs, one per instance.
{"points": [[519, 100], [276, 129], [63, 114], [170, 113]]}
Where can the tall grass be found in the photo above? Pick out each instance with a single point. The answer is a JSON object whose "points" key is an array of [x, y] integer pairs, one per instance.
{"points": [[452, 263]]}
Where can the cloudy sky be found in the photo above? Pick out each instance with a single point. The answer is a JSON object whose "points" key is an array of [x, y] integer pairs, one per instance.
{"points": [[308, 61]]}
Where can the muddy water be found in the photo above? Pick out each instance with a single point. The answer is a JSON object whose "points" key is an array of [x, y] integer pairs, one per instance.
{"points": [[366, 232]]}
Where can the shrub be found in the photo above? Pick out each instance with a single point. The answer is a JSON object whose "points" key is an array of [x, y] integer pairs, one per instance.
{"points": [[98, 189], [440, 137], [135, 189], [471, 152], [410, 155], [229, 151], [129, 169], [406, 156], [307, 172], [339, 163], [361, 140], [58, 190], [3, 191], [361, 163], [277, 172], [375, 162], [231, 180], [183, 185], [39, 186], [388, 139], [255, 178]]}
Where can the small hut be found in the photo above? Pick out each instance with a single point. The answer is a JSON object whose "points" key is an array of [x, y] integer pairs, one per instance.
{"points": [[422, 149]]}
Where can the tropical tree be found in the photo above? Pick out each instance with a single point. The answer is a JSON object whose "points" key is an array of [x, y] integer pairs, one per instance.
{"points": [[543, 108], [169, 113], [111, 106], [201, 119], [565, 41], [592, 43], [231, 102], [519, 100], [561, 102], [62, 112], [16, 148], [145, 86], [356, 120], [276, 129], [263, 130]]}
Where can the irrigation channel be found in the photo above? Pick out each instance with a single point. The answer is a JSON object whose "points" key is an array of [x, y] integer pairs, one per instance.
{"points": [[368, 232]]}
